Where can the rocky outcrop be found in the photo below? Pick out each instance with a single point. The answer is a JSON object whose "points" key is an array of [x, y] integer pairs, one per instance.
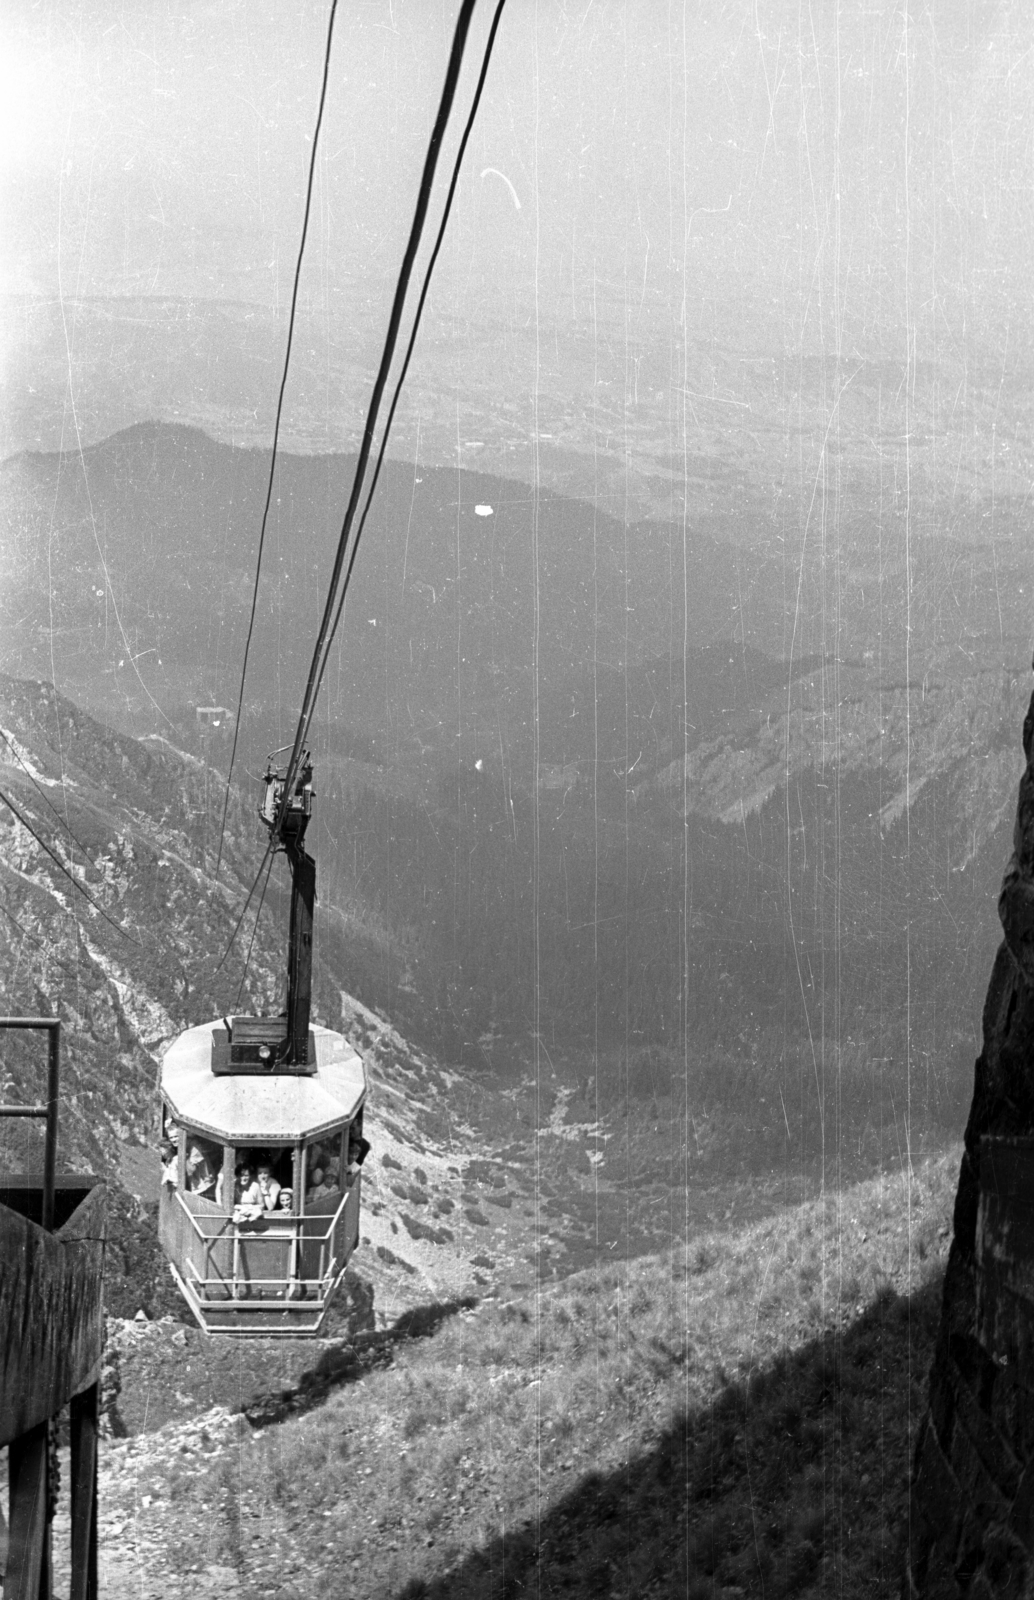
{"points": [[972, 1496]]}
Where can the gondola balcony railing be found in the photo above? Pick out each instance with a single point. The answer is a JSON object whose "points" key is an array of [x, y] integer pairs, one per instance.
{"points": [[278, 1263]]}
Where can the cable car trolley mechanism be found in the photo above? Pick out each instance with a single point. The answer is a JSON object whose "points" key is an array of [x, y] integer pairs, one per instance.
{"points": [[262, 1136]]}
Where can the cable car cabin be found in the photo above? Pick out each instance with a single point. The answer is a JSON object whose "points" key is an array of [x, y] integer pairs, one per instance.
{"points": [[262, 1124], [259, 1207]]}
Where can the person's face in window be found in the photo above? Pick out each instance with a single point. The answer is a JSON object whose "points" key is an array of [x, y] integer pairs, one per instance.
{"points": [[247, 1177], [286, 1200]]}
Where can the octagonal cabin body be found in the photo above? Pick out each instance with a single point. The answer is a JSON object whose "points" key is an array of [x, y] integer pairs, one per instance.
{"points": [[259, 1207]]}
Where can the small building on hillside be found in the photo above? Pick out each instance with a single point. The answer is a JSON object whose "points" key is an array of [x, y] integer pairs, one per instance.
{"points": [[214, 716]]}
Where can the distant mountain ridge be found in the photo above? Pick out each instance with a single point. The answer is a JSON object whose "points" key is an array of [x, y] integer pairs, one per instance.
{"points": [[149, 540]]}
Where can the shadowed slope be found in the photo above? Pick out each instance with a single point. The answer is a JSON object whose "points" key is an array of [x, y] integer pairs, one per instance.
{"points": [[735, 1415]]}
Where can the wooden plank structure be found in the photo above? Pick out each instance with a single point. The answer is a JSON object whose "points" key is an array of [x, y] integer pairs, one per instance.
{"points": [[52, 1239], [971, 1521]]}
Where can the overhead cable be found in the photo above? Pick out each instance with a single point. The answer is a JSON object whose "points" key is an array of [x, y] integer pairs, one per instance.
{"points": [[39, 790], [405, 272], [412, 341], [38, 942], [276, 425], [254, 931], [9, 803], [244, 908]]}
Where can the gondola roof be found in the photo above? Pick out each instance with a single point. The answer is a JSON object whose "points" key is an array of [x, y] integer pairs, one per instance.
{"points": [[278, 1109]]}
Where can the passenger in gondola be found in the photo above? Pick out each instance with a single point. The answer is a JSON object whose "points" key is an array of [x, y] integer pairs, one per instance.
{"points": [[318, 1189], [285, 1200], [247, 1196], [358, 1148], [201, 1176], [245, 1188], [269, 1189], [170, 1164], [326, 1159]]}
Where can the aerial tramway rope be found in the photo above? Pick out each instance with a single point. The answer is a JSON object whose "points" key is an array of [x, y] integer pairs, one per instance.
{"points": [[406, 359], [12, 746], [244, 908], [276, 424], [47, 802], [9, 803], [336, 595], [328, 623], [39, 943], [251, 942]]}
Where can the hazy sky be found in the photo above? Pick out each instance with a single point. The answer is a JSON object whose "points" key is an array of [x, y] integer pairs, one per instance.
{"points": [[853, 178]]}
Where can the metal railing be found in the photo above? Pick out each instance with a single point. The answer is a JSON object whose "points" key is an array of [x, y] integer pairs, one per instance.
{"points": [[286, 1233], [283, 1219]]}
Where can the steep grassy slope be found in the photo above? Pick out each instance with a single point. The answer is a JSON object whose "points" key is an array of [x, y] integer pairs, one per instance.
{"points": [[734, 1417]]}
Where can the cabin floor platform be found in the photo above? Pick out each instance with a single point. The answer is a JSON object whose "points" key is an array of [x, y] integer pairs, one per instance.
{"points": [[253, 1316]]}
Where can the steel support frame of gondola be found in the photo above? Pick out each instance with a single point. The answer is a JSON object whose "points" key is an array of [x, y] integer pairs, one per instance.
{"points": [[299, 1177], [299, 950]]}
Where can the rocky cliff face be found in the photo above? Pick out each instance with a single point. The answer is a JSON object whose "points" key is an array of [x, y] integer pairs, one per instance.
{"points": [[972, 1522]]}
